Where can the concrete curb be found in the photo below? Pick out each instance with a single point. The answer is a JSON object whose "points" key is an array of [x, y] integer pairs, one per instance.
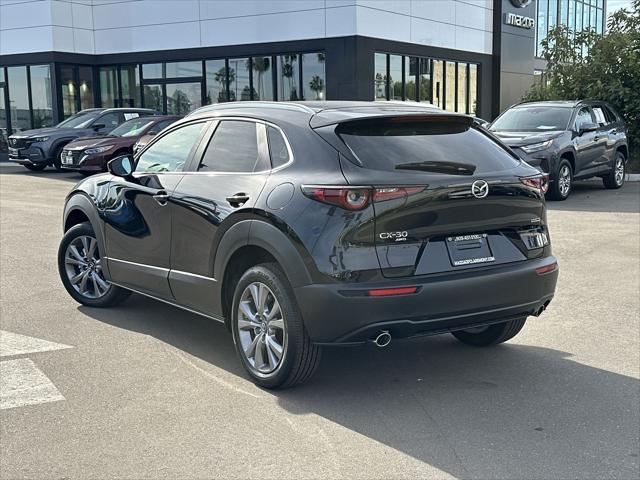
{"points": [[632, 177]]}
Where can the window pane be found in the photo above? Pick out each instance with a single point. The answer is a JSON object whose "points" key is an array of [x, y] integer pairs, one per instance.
{"points": [[451, 87], [40, 96], [553, 13], [153, 97], [183, 69], [170, 152], [233, 148], [313, 77], [473, 89], [462, 88], [216, 81], [152, 70], [578, 16], [599, 21], [3, 118], [572, 15], [380, 80], [593, 19], [411, 70], [583, 117], [110, 121], [108, 87], [86, 87], [277, 148], [239, 71], [395, 77], [541, 25], [183, 97], [563, 11], [262, 78], [437, 83], [130, 84], [69, 91], [288, 77], [425, 80]]}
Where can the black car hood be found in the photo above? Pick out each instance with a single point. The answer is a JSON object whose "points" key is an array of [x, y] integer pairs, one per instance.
{"points": [[519, 139]]}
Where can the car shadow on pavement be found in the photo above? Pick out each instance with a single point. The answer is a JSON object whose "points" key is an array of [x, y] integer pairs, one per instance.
{"points": [[7, 168], [591, 196], [512, 411]]}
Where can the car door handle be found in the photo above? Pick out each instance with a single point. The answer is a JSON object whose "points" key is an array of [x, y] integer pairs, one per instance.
{"points": [[238, 199], [161, 197]]}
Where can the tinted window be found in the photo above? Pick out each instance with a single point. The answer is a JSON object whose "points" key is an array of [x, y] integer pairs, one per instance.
{"points": [[527, 119], [158, 127], [277, 148], [79, 120], [428, 146], [600, 117], [170, 152], [583, 117], [233, 148], [609, 115], [110, 121]]}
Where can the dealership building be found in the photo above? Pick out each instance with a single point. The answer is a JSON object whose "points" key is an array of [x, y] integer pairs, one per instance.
{"points": [[472, 56]]}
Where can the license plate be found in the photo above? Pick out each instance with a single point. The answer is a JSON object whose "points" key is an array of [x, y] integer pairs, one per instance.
{"points": [[67, 159], [469, 250]]}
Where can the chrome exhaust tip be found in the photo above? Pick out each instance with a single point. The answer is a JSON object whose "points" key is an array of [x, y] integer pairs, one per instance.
{"points": [[383, 339]]}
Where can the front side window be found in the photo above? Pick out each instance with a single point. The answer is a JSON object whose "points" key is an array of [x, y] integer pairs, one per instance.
{"points": [[132, 127], [233, 148], [170, 153], [79, 120], [583, 117], [110, 121]]}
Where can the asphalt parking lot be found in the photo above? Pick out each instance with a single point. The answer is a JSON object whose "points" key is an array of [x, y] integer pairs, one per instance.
{"points": [[148, 391]]}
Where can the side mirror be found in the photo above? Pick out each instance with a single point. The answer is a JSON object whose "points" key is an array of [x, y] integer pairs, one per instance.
{"points": [[121, 166], [98, 126], [587, 127]]}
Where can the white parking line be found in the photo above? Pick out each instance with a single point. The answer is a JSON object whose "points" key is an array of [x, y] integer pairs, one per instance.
{"points": [[15, 344], [22, 383]]}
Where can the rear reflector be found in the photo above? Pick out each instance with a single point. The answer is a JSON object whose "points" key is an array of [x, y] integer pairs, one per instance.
{"points": [[547, 268], [388, 292]]}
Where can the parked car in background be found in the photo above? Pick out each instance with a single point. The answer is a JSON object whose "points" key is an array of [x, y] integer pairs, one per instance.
{"points": [[481, 122], [91, 154], [569, 140], [144, 139], [35, 149], [322, 223]]}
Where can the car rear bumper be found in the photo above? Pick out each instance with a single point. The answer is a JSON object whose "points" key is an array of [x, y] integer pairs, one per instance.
{"points": [[344, 314]]}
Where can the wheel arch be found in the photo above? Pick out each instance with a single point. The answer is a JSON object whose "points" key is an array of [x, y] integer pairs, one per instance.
{"points": [[624, 149], [571, 157]]}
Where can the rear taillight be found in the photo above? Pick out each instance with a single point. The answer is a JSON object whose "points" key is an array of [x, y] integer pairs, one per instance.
{"points": [[349, 198], [391, 193], [390, 292], [538, 182]]}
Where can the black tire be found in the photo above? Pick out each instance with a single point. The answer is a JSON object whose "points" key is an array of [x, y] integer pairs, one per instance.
{"points": [[615, 179], [57, 160], [492, 334], [300, 357], [35, 167], [113, 295], [556, 191]]}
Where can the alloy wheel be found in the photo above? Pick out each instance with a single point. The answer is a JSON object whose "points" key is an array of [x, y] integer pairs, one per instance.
{"points": [[619, 171], [83, 266], [564, 180], [261, 328]]}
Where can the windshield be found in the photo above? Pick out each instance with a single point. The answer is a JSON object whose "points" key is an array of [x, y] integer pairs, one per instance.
{"points": [[79, 120], [432, 147], [530, 119], [131, 128]]}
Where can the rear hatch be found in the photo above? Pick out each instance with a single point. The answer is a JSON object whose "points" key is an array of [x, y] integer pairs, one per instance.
{"points": [[446, 195]]}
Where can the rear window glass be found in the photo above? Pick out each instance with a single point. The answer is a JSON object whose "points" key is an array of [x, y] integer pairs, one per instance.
{"points": [[445, 147]]}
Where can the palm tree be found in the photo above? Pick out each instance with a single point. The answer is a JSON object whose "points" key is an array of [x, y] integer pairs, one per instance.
{"points": [[261, 65], [288, 71], [222, 76], [317, 85]]}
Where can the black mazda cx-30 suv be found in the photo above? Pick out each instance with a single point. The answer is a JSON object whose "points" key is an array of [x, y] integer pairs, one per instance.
{"points": [[303, 225]]}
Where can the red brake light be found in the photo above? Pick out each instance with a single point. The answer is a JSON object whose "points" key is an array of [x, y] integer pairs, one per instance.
{"points": [[387, 292], [349, 198], [539, 182], [547, 268]]}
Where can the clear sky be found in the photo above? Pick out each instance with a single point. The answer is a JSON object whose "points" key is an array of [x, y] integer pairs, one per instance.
{"points": [[613, 5]]}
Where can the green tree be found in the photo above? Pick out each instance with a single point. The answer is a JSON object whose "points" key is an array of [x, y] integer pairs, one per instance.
{"points": [[317, 85], [604, 67]]}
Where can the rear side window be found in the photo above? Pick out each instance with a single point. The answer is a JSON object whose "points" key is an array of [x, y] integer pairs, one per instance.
{"points": [[277, 148], [433, 146], [233, 148], [609, 115], [600, 116]]}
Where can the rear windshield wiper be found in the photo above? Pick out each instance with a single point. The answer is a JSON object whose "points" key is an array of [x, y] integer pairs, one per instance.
{"points": [[451, 168]]}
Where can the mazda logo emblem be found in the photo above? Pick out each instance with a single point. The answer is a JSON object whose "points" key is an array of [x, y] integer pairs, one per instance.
{"points": [[520, 3], [480, 189]]}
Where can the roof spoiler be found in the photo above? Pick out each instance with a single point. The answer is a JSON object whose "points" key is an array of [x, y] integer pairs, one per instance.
{"points": [[403, 116]]}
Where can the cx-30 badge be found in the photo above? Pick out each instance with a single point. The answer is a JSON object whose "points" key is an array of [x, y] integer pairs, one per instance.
{"points": [[480, 189]]}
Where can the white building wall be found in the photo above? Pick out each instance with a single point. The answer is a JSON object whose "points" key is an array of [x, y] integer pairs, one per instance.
{"points": [[114, 26]]}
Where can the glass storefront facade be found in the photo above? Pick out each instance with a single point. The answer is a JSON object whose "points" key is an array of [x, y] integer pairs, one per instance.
{"points": [[450, 85], [577, 15]]}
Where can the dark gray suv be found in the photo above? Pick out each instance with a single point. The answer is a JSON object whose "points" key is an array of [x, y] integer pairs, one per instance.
{"points": [[569, 140], [35, 149]]}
